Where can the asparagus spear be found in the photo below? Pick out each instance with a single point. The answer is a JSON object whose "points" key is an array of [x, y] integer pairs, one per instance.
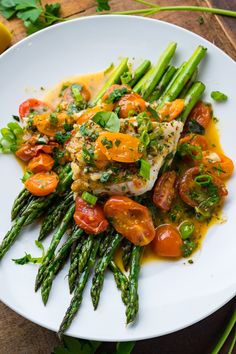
{"points": [[139, 72], [121, 281], [77, 298], [73, 270], [55, 264], [170, 72], [147, 84], [126, 253], [19, 202], [102, 265], [188, 84], [33, 211], [54, 215], [133, 303], [114, 79], [183, 77], [53, 245], [191, 98], [85, 252]]}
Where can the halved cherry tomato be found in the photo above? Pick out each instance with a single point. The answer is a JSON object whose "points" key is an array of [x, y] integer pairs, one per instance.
{"points": [[193, 194], [167, 242], [195, 140], [26, 152], [112, 88], [51, 123], [201, 113], [68, 96], [171, 110], [119, 147], [131, 104], [100, 159], [218, 164], [90, 218], [33, 105], [164, 190], [41, 163], [90, 112], [42, 184], [131, 219]]}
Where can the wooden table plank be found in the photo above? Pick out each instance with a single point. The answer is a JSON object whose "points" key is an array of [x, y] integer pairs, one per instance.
{"points": [[20, 336]]}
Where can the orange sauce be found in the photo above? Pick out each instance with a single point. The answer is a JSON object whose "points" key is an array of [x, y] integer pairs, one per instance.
{"points": [[94, 82]]}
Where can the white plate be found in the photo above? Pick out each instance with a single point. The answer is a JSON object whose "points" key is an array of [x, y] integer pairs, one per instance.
{"points": [[173, 295]]}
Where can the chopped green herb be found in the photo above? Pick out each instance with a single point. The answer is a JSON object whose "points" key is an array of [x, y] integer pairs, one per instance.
{"points": [[186, 229], [17, 118], [88, 131], [116, 94], [195, 127], [89, 198], [188, 247], [28, 258], [68, 127], [105, 176], [145, 169], [76, 92], [26, 176], [88, 155], [107, 143], [215, 119], [117, 142], [107, 120], [144, 138], [153, 112], [61, 138], [218, 96], [53, 119]]}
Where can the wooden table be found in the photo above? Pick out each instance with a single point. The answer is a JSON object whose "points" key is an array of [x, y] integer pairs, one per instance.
{"points": [[19, 336]]}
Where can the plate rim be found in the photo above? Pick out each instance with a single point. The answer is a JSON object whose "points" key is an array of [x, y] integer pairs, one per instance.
{"points": [[102, 18]]}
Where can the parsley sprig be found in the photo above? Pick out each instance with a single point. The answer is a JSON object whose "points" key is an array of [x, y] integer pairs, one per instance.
{"points": [[34, 15]]}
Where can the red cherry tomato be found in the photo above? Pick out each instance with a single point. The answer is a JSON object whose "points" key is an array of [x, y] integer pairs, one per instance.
{"points": [[167, 242], [26, 152], [34, 105], [131, 219], [164, 190], [90, 218]]}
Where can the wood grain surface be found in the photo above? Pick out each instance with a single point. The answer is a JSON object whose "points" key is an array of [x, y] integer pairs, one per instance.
{"points": [[20, 336]]}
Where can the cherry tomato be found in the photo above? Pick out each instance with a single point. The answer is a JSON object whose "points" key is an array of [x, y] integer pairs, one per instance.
{"points": [[42, 183], [171, 110], [132, 220], [195, 140], [167, 242], [119, 147], [51, 123], [90, 218], [201, 113], [164, 190], [68, 96], [26, 152], [131, 104], [218, 164], [41, 163], [33, 105], [193, 194], [112, 88]]}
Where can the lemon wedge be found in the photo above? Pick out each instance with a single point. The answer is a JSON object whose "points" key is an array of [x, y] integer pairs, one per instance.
{"points": [[5, 38]]}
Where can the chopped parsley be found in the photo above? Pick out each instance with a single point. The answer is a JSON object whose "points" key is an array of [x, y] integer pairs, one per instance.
{"points": [[105, 176], [88, 155], [116, 94], [107, 143], [53, 119], [61, 138]]}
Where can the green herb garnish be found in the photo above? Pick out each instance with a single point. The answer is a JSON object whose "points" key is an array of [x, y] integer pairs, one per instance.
{"points": [[145, 169], [107, 120], [218, 96]]}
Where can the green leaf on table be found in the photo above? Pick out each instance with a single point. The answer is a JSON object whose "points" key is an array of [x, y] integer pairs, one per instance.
{"points": [[107, 120], [103, 5], [77, 346], [30, 15], [125, 347]]}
